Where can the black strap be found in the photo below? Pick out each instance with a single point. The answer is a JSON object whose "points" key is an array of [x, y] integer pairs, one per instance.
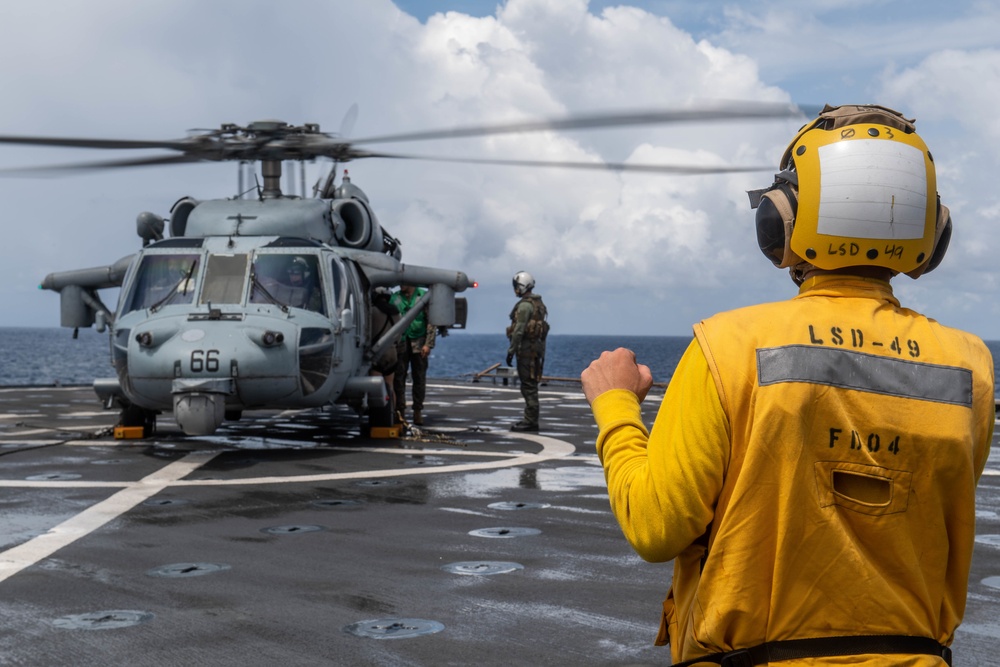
{"points": [[821, 647]]}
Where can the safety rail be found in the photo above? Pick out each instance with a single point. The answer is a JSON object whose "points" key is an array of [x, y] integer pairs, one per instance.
{"points": [[507, 374]]}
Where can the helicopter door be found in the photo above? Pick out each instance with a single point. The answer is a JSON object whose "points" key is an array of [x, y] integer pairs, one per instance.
{"points": [[355, 300], [224, 278]]}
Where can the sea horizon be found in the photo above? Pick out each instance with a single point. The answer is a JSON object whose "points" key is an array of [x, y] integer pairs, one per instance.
{"points": [[48, 356], [31, 356]]}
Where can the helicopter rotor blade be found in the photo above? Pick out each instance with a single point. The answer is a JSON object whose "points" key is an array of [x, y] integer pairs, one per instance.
{"points": [[350, 118], [597, 166], [710, 112], [274, 140], [55, 170], [74, 142]]}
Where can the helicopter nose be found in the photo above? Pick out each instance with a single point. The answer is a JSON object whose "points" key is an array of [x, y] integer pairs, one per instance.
{"points": [[207, 368]]}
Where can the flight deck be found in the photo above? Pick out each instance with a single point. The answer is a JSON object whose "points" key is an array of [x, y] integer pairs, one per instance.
{"points": [[288, 538]]}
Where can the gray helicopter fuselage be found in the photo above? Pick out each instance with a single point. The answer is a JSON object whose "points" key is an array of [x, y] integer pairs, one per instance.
{"points": [[258, 302], [251, 303], [210, 317]]}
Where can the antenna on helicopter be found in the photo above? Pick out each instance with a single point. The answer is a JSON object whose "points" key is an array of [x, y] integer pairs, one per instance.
{"points": [[326, 192], [346, 127]]}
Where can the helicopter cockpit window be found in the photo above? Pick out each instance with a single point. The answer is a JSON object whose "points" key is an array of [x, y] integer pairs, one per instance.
{"points": [[287, 280], [224, 278], [163, 280]]}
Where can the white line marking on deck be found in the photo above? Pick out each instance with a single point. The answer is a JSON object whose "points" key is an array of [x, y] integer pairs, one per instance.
{"points": [[551, 449], [17, 558]]}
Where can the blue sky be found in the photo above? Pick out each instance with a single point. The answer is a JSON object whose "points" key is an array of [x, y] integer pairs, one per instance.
{"points": [[902, 33], [612, 253]]}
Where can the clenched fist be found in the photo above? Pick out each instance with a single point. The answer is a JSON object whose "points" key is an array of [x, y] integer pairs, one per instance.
{"points": [[616, 370]]}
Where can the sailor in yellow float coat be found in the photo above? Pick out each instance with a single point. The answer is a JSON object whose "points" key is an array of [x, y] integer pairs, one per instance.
{"points": [[811, 471], [795, 550]]}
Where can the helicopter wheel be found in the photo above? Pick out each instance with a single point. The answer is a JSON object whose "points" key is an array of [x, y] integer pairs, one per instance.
{"points": [[233, 415], [133, 415]]}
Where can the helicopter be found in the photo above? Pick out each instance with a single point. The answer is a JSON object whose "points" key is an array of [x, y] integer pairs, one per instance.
{"points": [[264, 300]]}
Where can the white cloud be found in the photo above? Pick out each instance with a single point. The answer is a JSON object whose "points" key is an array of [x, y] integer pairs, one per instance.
{"points": [[951, 95], [613, 253], [952, 85]]}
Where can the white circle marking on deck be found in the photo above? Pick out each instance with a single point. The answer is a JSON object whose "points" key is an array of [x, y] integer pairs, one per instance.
{"points": [[24, 555]]}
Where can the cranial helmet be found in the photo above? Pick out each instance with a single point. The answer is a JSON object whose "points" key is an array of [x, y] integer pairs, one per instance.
{"points": [[857, 188], [523, 283], [299, 265]]}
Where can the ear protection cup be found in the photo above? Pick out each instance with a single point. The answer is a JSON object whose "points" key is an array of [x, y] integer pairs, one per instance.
{"points": [[775, 220], [770, 231], [942, 237]]}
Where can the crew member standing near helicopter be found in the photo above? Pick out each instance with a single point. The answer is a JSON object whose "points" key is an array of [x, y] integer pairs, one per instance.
{"points": [[812, 469], [413, 350], [527, 333], [384, 316]]}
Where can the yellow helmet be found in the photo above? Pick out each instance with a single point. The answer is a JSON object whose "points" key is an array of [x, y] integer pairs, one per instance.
{"points": [[858, 188]]}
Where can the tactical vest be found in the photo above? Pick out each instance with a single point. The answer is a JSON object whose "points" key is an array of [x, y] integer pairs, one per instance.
{"points": [[537, 328], [857, 431]]}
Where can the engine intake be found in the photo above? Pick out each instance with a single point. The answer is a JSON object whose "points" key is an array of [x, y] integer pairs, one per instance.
{"points": [[356, 225]]}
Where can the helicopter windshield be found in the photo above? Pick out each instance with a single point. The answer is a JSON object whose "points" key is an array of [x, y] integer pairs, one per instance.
{"points": [[163, 279], [224, 279], [287, 280]]}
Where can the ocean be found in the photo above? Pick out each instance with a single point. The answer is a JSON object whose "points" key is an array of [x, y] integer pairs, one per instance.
{"points": [[50, 356]]}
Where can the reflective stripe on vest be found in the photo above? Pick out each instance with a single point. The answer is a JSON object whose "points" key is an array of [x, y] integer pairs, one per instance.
{"points": [[864, 372]]}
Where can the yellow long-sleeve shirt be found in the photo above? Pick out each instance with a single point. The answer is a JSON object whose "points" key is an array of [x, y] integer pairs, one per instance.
{"points": [[664, 503]]}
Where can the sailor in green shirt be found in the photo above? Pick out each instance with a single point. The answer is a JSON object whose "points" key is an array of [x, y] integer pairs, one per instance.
{"points": [[413, 349]]}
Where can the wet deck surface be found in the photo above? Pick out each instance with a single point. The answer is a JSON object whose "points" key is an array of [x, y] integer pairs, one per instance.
{"points": [[288, 539]]}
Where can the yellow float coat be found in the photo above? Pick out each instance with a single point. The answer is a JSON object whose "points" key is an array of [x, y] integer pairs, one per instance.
{"points": [[825, 451]]}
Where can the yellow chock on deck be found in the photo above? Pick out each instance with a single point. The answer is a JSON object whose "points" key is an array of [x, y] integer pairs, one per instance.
{"points": [[128, 432], [385, 431]]}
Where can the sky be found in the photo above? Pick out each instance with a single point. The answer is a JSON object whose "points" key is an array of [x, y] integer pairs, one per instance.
{"points": [[612, 253]]}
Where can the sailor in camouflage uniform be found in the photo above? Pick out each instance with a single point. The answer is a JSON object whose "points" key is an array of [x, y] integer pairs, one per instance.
{"points": [[527, 332]]}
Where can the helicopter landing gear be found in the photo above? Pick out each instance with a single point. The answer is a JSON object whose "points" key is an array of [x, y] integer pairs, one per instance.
{"points": [[233, 415], [382, 416], [133, 416], [382, 422]]}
